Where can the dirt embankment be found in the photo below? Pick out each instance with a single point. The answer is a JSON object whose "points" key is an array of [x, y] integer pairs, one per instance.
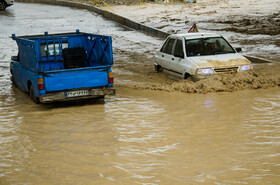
{"points": [[250, 17], [268, 24]]}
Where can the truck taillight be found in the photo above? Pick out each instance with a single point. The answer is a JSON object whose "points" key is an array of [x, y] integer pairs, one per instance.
{"points": [[41, 83], [111, 78]]}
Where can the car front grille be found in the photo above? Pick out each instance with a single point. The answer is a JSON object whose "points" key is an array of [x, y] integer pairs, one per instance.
{"points": [[226, 70]]}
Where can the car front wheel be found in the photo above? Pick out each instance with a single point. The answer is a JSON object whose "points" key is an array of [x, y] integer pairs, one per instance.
{"points": [[158, 68]]}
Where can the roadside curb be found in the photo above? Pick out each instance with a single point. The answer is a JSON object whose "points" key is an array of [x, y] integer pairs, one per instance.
{"points": [[109, 15]]}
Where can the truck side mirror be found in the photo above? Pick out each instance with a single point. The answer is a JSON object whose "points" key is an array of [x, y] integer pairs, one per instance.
{"points": [[14, 58], [179, 55], [238, 49]]}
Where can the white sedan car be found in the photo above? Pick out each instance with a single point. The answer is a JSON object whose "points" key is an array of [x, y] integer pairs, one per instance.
{"points": [[199, 55], [5, 3]]}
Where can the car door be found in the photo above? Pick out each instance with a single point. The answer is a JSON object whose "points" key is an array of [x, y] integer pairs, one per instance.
{"points": [[167, 55], [178, 57], [160, 55]]}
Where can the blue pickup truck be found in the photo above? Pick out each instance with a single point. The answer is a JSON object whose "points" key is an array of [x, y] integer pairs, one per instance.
{"points": [[64, 66]]}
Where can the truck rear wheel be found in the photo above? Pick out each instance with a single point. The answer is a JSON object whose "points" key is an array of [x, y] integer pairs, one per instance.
{"points": [[32, 96], [2, 5]]}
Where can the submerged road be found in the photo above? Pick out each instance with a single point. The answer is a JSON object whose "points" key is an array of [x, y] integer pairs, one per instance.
{"points": [[136, 136]]}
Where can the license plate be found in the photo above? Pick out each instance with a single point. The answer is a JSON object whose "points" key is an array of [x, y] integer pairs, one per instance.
{"points": [[76, 93]]}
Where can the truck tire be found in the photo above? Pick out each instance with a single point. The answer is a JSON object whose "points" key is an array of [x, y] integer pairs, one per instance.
{"points": [[32, 96], [12, 79], [2, 5]]}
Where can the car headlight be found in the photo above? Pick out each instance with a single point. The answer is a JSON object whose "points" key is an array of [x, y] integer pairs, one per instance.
{"points": [[205, 71], [245, 67]]}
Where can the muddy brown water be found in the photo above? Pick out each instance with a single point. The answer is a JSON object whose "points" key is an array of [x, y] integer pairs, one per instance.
{"points": [[155, 130]]}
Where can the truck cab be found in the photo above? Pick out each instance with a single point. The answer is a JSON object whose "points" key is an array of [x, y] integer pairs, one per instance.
{"points": [[64, 66]]}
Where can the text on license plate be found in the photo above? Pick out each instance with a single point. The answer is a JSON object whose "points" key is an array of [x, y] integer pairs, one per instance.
{"points": [[76, 93]]}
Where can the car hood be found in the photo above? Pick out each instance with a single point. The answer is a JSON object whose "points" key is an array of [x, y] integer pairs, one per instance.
{"points": [[218, 61]]}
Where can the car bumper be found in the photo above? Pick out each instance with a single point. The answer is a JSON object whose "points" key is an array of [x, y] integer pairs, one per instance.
{"points": [[221, 71], [61, 96], [200, 77]]}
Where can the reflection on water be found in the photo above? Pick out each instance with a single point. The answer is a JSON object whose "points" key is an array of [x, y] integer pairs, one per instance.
{"points": [[142, 137]]}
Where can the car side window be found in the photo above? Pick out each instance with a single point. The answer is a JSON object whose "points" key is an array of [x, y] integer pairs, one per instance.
{"points": [[179, 48], [163, 48], [170, 46]]}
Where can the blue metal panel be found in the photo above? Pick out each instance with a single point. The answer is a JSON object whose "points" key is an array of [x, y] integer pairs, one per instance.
{"points": [[75, 80], [16, 71], [31, 77], [75, 42], [99, 49], [27, 56], [51, 65]]}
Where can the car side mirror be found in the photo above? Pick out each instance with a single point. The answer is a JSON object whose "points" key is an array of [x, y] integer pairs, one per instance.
{"points": [[14, 58], [179, 55], [238, 49]]}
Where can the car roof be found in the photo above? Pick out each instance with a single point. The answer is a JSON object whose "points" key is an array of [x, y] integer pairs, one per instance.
{"points": [[195, 35]]}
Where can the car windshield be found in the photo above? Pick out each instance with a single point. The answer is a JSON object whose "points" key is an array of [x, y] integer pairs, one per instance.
{"points": [[208, 46]]}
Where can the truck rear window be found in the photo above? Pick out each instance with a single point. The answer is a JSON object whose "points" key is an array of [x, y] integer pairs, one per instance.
{"points": [[52, 49]]}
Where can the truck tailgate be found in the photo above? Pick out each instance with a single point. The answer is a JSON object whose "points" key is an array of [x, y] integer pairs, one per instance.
{"points": [[90, 77]]}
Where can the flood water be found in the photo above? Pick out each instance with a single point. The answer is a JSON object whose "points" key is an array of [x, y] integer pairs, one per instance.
{"points": [[137, 136]]}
